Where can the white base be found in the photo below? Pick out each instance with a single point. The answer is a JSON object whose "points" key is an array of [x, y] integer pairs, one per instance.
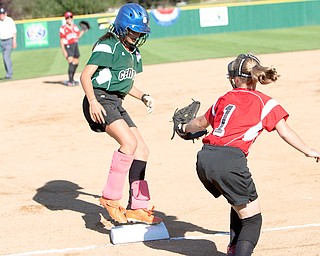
{"points": [[138, 233]]}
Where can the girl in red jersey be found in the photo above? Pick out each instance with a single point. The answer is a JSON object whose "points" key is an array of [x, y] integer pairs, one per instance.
{"points": [[237, 119], [69, 37]]}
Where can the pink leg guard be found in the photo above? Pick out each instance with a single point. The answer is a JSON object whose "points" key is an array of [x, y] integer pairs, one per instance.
{"points": [[119, 168], [140, 195]]}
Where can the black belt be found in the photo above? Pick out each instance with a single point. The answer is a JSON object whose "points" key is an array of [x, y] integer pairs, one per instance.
{"points": [[118, 94], [6, 39]]}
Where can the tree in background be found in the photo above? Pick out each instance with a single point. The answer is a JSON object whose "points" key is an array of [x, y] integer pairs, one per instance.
{"points": [[32, 9]]}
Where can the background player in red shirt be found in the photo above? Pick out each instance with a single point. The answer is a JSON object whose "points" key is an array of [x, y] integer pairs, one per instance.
{"points": [[237, 119], [69, 37]]}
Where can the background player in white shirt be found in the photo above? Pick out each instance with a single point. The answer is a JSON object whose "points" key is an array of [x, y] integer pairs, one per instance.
{"points": [[8, 39]]}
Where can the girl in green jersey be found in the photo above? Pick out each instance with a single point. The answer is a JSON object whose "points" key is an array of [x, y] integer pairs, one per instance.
{"points": [[107, 78]]}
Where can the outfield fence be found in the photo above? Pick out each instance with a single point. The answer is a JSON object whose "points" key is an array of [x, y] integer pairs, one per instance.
{"points": [[181, 21]]}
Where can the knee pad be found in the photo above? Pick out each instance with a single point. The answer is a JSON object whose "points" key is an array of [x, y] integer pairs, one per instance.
{"points": [[251, 228], [119, 168], [139, 194]]}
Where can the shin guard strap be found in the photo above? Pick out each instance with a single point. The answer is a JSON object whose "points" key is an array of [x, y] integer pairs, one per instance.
{"points": [[139, 195]]}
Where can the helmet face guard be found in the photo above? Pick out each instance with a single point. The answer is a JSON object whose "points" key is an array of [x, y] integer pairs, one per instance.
{"points": [[132, 17]]}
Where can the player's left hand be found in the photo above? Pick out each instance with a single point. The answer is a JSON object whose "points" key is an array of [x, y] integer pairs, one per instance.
{"points": [[84, 25], [181, 117], [149, 102], [313, 153]]}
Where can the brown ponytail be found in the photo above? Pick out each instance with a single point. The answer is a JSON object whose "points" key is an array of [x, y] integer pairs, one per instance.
{"points": [[265, 75]]}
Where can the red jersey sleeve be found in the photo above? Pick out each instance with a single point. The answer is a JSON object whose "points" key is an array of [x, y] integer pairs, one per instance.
{"points": [[270, 121], [62, 33], [209, 115]]}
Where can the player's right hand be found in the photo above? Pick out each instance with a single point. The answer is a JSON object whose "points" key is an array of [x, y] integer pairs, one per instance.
{"points": [[97, 112]]}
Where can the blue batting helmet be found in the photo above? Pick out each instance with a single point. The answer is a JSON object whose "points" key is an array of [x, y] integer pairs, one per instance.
{"points": [[134, 17]]}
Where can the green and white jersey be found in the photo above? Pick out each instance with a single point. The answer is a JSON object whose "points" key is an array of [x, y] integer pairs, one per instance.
{"points": [[116, 66]]}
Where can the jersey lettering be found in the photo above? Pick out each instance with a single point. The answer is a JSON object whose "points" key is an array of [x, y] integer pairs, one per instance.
{"points": [[227, 112], [128, 73]]}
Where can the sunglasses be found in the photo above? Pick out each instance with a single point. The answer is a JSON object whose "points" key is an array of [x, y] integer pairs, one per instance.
{"points": [[70, 17]]}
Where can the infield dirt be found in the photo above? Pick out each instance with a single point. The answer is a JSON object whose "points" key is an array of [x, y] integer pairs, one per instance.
{"points": [[53, 167]]}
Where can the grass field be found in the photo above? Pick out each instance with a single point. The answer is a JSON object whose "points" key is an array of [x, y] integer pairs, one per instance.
{"points": [[46, 62]]}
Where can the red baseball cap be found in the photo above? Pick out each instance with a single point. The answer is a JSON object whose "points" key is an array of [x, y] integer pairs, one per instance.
{"points": [[68, 14]]}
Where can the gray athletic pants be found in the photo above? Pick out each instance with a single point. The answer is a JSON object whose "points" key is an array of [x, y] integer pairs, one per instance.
{"points": [[6, 46]]}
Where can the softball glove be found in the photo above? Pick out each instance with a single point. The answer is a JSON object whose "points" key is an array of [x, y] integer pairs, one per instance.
{"points": [[84, 25], [183, 116]]}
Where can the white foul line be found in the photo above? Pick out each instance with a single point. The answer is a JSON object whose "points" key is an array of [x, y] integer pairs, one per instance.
{"points": [[92, 247], [86, 248], [292, 227]]}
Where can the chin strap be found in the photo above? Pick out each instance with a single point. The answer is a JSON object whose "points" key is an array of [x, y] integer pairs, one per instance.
{"points": [[232, 83]]}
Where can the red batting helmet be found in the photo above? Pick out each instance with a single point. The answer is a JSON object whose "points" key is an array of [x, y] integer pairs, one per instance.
{"points": [[68, 14]]}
